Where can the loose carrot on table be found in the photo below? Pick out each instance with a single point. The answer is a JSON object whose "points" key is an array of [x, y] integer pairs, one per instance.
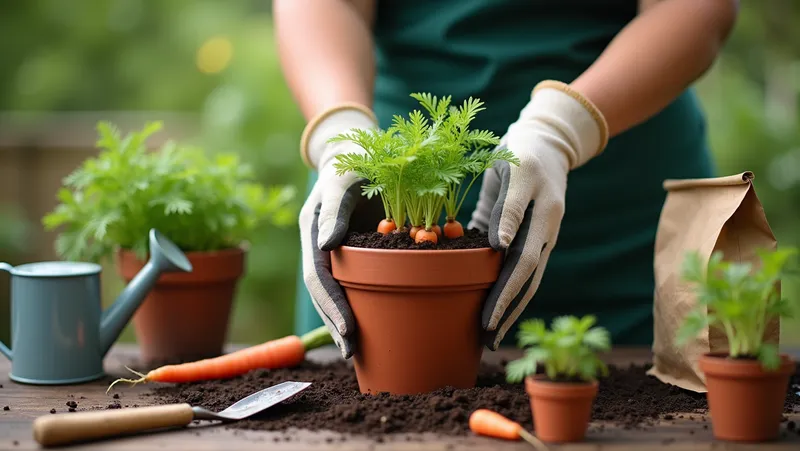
{"points": [[492, 424], [284, 352]]}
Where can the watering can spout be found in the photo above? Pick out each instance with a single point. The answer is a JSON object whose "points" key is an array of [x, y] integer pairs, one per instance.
{"points": [[165, 256]]}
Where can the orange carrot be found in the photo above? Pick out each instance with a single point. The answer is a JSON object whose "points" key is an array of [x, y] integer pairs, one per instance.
{"points": [[453, 229], [387, 226], [284, 352], [414, 230], [437, 230], [426, 235], [492, 424]]}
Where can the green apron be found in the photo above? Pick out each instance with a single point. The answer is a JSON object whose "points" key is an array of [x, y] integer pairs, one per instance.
{"points": [[498, 50]]}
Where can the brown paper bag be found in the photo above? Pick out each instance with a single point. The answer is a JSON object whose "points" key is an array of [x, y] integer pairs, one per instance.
{"points": [[703, 215]]}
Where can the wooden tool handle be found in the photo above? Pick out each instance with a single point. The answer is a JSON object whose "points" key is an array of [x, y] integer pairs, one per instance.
{"points": [[67, 428]]}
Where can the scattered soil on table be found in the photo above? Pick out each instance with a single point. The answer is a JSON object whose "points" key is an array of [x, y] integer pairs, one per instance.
{"points": [[627, 398], [472, 239], [6, 408]]}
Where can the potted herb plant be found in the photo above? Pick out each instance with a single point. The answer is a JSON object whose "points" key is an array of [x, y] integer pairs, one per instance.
{"points": [[419, 317], [207, 206], [746, 385], [562, 396]]}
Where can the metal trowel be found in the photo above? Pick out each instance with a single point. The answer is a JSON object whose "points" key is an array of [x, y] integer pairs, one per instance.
{"points": [[62, 429]]}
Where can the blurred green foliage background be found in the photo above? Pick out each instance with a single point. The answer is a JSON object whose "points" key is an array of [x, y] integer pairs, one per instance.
{"points": [[218, 60]]}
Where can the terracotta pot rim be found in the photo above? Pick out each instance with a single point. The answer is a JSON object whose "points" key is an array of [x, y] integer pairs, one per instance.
{"points": [[238, 250], [540, 387], [720, 365], [541, 379], [368, 250]]}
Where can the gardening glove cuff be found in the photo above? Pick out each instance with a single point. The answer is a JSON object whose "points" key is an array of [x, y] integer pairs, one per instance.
{"points": [[325, 216], [315, 149], [521, 207]]}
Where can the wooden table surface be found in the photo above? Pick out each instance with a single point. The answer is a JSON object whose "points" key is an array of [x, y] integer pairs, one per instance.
{"points": [[28, 402]]}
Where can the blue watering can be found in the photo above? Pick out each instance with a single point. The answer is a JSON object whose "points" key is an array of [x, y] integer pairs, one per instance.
{"points": [[59, 333]]}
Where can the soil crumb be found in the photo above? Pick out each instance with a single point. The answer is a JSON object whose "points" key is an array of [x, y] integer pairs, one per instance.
{"points": [[472, 239], [627, 398]]}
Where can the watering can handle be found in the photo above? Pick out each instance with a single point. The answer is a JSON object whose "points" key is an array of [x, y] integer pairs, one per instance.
{"points": [[3, 348]]}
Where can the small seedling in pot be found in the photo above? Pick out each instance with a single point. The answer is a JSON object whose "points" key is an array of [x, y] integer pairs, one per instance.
{"points": [[562, 397], [747, 383], [418, 166], [738, 300], [568, 352]]}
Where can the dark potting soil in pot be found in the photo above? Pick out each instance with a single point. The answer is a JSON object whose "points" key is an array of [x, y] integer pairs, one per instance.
{"points": [[627, 398], [472, 239]]}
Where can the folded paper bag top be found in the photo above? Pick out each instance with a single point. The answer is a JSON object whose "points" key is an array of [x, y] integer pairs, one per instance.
{"points": [[703, 215]]}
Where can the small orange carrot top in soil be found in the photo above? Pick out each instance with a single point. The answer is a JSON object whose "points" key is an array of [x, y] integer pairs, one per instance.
{"points": [[492, 424], [387, 226], [453, 229], [413, 231], [284, 352], [426, 235]]}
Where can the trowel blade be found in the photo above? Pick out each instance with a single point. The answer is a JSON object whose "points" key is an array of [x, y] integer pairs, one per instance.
{"points": [[264, 399]]}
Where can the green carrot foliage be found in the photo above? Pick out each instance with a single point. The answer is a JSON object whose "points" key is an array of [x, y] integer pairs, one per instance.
{"points": [[199, 202], [568, 351], [738, 299], [418, 165]]}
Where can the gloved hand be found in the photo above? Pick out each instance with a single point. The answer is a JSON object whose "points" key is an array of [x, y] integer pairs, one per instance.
{"points": [[521, 207], [325, 216]]}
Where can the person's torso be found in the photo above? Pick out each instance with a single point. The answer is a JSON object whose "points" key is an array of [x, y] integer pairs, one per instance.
{"points": [[498, 50]]}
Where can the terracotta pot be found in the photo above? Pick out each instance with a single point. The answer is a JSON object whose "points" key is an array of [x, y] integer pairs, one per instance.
{"points": [[185, 316], [745, 401], [418, 315], [561, 410]]}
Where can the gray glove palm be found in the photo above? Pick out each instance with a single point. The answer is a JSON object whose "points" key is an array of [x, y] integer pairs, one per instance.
{"points": [[521, 207], [325, 216]]}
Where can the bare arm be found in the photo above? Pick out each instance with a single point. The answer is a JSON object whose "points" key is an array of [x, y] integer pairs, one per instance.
{"points": [[655, 57], [326, 51]]}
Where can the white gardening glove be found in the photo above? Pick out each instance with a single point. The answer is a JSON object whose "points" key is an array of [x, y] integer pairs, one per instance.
{"points": [[325, 216], [521, 207]]}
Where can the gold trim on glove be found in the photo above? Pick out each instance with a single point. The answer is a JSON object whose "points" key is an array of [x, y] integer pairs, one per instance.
{"points": [[316, 120], [590, 107]]}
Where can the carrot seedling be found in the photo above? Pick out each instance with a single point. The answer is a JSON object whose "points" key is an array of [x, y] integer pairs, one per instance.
{"points": [[568, 351], [285, 352], [418, 166], [739, 300]]}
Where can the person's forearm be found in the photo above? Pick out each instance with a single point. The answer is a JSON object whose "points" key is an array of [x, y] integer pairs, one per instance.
{"points": [[655, 58], [326, 53]]}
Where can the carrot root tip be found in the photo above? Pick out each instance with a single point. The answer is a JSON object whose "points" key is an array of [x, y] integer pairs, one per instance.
{"points": [[142, 378]]}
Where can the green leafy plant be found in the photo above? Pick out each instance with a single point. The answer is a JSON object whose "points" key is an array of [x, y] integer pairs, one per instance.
{"points": [[568, 351], [199, 202], [418, 166], [738, 299]]}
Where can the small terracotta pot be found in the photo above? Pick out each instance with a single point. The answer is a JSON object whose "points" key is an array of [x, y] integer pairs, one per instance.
{"points": [[561, 410], [745, 401], [185, 316], [418, 315]]}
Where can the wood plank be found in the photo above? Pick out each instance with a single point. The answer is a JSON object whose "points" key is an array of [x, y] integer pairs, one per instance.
{"points": [[29, 402]]}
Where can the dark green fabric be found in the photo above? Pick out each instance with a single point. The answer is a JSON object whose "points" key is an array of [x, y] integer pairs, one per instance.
{"points": [[498, 50]]}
